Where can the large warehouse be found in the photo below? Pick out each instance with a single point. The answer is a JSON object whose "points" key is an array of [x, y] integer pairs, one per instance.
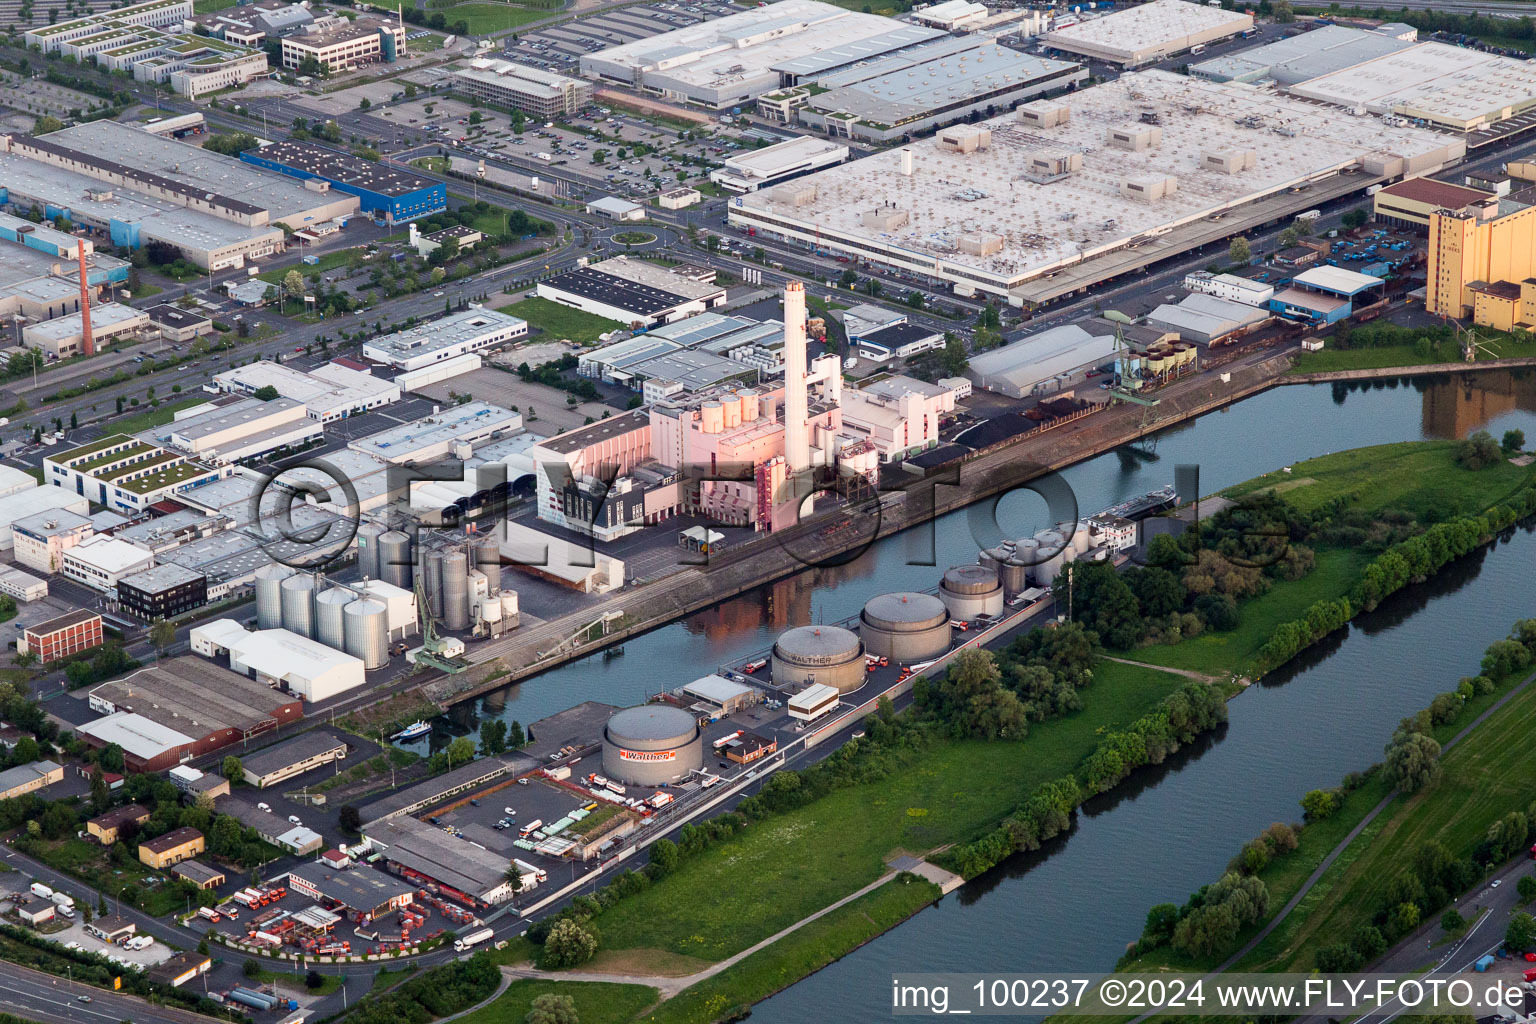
{"points": [[631, 291], [421, 854], [384, 193], [652, 745], [729, 61], [1297, 58], [1045, 362], [1148, 32], [1115, 177], [473, 330]]}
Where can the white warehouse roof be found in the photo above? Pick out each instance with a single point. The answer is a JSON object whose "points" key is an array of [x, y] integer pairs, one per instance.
{"points": [[136, 734], [1018, 367], [309, 668]]}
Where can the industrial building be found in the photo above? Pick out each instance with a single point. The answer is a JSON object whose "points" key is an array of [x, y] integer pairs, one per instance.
{"points": [[241, 429], [899, 415], [1409, 203], [1321, 51], [24, 587], [21, 505], [176, 325], [29, 778], [1208, 319], [64, 336], [367, 894], [61, 636], [421, 795], [383, 192], [632, 291], [183, 708], [652, 745], [905, 627], [473, 330], [328, 392], [294, 756], [1325, 295], [41, 538], [422, 855], [617, 209], [1148, 32], [1230, 286], [252, 23], [199, 874], [503, 83], [723, 695], [759, 168], [813, 702], [125, 473], [434, 437], [182, 967], [341, 44], [938, 83], [823, 655], [101, 561], [1101, 192], [1479, 259], [281, 658], [729, 61], [162, 592], [559, 559], [1046, 362]]}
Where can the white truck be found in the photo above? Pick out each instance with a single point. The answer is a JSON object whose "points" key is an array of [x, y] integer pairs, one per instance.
{"points": [[472, 940], [41, 891], [63, 899]]}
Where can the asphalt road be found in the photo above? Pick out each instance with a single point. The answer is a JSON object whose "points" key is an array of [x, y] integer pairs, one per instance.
{"points": [[42, 997]]}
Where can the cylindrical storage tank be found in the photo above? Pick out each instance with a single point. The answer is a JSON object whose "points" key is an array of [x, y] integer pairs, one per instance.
{"points": [[487, 553], [368, 535], [969, 591], [829, 655], [508, 602], [455, 590], [1026, 551], [299, 605], [906, 627], [366, 628], [652, 745], [328, 617], [269, 595], [749, 406], [991, 558], [395, 559], [711, 417], [432, 568], [1014, 576], [1082, 540]]}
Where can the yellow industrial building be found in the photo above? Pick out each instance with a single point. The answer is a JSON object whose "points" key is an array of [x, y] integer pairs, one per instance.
{"points": [[1482, 264]]}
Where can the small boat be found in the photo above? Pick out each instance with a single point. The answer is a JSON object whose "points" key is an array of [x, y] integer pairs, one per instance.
{"points": [[614, 652], [410, 732]]}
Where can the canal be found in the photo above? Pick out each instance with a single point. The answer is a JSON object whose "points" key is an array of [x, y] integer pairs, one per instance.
{"points": [[1075, 905]]}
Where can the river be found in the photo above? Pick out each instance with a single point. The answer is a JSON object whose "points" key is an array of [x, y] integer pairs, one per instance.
{"points": [[1166, 832]]}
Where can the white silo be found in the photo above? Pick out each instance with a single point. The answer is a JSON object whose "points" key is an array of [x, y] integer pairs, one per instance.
{"points": [[368, 535], [366, 628], [269, 595], [299, 604], [1052, 555], [510, 617]]}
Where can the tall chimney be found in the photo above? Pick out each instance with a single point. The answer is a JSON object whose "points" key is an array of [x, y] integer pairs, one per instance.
{"points": [[797, 442], [87, 342]]}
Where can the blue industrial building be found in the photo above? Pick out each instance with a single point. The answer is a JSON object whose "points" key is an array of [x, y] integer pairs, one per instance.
{"points": [[1325, 295], [386, 194]]}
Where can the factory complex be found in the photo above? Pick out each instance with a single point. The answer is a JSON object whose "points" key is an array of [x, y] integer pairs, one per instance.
{"points": [[1061, 193]]}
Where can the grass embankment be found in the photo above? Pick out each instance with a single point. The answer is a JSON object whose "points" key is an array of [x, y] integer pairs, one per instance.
{"points": [[484, 18], [1420, 479], [596, 1003], [848, 834], [328, 261], [1495, 345], [156, 417], [558, 321]]}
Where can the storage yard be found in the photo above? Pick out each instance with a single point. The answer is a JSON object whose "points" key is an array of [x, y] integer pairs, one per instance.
{"points": [[1115, 167]]}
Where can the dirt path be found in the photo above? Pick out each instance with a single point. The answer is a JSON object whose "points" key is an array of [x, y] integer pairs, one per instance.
{"points": [[1186, 672], [669, 987]]}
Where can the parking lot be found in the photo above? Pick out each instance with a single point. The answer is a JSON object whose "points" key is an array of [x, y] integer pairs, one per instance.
{"points": [[76, 937], [511, 392]]}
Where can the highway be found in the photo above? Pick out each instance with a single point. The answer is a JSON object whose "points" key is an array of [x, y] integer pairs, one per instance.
{"points": [[42, 997]]}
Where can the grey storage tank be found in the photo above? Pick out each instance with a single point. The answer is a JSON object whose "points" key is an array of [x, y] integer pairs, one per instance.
{"points": [[269, 595], [299, 605], [652, 745], [455, 589], [1052, 556], [328, 618], [368, 535], [431, 562], [969, 591], [829, 655], [905, 627], [366, 627], [486, 553], [395, 559]]}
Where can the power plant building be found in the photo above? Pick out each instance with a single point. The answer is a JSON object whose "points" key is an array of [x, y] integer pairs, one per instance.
{"points": [[652, 745], [824, 655], [1115, 176], [905, 627]]}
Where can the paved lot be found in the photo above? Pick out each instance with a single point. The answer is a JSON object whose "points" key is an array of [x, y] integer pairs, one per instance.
{"points": [[508, 391], [76, 933]]}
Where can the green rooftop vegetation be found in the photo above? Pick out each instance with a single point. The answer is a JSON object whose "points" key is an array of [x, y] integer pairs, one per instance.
{"points": [[179, 473]]}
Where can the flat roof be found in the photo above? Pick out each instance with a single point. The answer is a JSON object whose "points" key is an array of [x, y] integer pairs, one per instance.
{"points": [[716, 688], [167, 315], [590, 434], [1297, 58], [459, 863], [194, 694], [282, 654], [1336, 279], [627, 293], [360, 889], [161, 577], [58, 622], [899, 38], [51, 523], [1160, 25], [103, 315], [510, 75], [1052, 226], [314, 743], [108, 554], [1435, 193], [343, 167], [1045, 354], [782, 156], [444, 332], [613, 205], [470, 420], [428, 791], [218, 420], [693, 368]]}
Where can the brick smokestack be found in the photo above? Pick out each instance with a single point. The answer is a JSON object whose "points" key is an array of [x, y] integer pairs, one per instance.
{"points": [[88, 343]]}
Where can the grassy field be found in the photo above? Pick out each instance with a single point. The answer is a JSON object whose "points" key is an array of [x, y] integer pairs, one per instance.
{"points": [[1498, 346], [387, 979], [1218, 653], [155, 417], [797, 955], [484, 18], [329, 261], [89, 863], [1483, 777], [209, 6], [559, 321], [1414, 477], [848, 833], [596, 1003]]}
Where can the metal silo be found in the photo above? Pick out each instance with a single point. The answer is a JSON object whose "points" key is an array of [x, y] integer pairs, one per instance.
{"points": [[368, 536], [269, 595], [1051, 556], [992, 558], [487, 556], [509, 614], [432, 566], [455, 589], [299, 604], [366, 628], [395, 559], [328, 618], [1014, 576]]}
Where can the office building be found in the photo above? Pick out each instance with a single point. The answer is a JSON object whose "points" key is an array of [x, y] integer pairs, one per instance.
{"points": [[41, 539], [101, 561], [448, 337], [759, 168], [176, 325], [162, 592], [502, 83], [61, 636], [21, 505], [342, 44], [384, 193]]}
